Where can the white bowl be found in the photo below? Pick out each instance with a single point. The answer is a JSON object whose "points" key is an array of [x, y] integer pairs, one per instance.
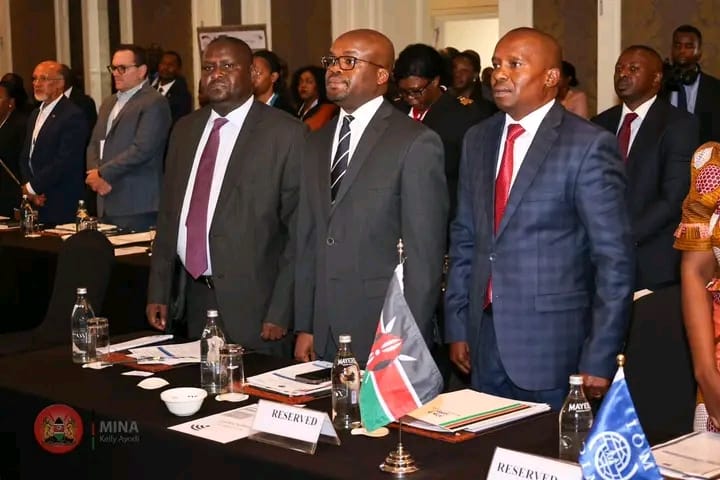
{"points": [[183, 401]]}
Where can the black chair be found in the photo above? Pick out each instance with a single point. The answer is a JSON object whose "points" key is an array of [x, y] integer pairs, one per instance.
{"points": [[658, 366], [85, 260]]}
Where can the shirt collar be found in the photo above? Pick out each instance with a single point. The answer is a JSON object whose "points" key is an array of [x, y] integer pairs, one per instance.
{"points": [[167, 86], [68, 92], [531, 122], [49, 107], [364, 112], [641, 110], [236, 116], [127, 95]]}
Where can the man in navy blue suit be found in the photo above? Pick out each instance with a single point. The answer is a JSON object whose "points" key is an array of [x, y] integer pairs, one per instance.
{"points": [[53, 159], [541, 257]]}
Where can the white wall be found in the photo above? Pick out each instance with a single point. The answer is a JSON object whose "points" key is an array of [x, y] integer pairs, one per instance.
{"points": [[480, 34]]}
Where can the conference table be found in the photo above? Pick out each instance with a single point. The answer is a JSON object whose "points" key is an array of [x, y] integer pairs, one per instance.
{"points": [[32, 381], [28, 273]]}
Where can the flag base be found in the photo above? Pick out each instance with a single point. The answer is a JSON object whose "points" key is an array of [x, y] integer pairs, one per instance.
{"points": [[399, 462]]}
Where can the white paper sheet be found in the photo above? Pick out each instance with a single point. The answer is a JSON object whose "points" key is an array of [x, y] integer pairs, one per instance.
{"points": [[131, 238], [283, 380], [119, 252], [696, 455], [169, 354], [138, 342], [70, 227], [222, 427]]}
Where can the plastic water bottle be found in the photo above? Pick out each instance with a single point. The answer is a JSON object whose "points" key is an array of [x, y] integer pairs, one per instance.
{"points": [[81, 313], [210, 342], [345, 387], [27, 217], [80, 215], [576, 418]]}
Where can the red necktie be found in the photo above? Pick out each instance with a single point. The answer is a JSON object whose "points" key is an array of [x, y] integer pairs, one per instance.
{"points": [[624, 134], [418, 114], [196, 261], [502, 186]]}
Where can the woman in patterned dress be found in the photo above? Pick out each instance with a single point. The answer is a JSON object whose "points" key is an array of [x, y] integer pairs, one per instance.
{"points": [[698, 236]]}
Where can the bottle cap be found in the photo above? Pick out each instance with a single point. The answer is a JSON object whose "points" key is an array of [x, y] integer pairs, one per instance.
{"points": [[81, 290], [576, 379], [81, 202], [212, 313], [345, 338]]}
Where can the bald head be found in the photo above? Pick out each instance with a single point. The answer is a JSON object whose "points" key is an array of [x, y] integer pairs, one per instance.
{"points": [[368, 74], [526, 71], [47, 81]]}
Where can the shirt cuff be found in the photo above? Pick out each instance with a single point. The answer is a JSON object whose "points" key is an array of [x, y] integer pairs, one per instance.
{"points": [[30, 189]]}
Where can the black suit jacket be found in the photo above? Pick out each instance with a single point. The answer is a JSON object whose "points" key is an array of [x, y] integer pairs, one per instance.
{"points": [[86, 104], [12, 139], [451, 119], [58, 161], [394, 188], [658, 169], [707, 108], [179, 99], [252, 234]]}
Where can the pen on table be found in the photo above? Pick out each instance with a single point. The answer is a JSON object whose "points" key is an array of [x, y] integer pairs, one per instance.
{"points": [[166, 352]]}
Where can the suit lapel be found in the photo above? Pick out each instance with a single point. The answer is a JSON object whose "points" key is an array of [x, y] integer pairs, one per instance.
{"points": [[366, 144], [239, 156], [539, 148], [51, 119], [490, 145], [127, 107], [647, 135], [322, 165]]}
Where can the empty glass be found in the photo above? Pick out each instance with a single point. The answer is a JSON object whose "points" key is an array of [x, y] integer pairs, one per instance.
{"points": [[232, 371], [98, 337]]}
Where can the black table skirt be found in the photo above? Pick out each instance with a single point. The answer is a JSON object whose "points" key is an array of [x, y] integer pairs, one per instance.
{"points": [[32, 381], [27, 273]]}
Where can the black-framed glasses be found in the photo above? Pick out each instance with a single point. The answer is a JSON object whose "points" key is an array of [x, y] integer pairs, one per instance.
{"points": [[345, 62], [415, 92], [120, 69]]}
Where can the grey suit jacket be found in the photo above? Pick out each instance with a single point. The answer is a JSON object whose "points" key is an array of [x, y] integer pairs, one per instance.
{"points": [[252, 234], [132, 157], [394, 187]]}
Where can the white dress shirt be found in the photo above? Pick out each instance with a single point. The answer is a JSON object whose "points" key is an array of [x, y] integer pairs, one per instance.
{"points": [[163, 89], [362, 117], [642, 111], [228, 136], [530, 123]]}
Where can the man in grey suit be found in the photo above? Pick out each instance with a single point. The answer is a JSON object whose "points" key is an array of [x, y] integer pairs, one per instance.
{"points": [[541, 256], [370, 178], [226, 227], [125, 153]]}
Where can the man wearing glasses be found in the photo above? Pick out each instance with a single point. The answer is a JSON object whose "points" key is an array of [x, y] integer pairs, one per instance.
{"points": [[52, 159], [125, 154], [370, 178]]}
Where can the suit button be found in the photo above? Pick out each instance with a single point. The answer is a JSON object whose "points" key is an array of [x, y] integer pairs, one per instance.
{"points": [[330, 241], [492, 257]]}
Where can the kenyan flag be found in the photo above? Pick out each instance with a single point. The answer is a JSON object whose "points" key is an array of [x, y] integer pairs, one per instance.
{"points": [[401, 376]]}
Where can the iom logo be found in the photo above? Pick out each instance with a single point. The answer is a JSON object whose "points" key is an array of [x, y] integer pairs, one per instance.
{"points": [[613, 457]]}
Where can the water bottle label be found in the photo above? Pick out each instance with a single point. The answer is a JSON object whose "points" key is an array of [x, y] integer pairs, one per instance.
{"points": [[346, 361], [214, 345], [579, 407]]}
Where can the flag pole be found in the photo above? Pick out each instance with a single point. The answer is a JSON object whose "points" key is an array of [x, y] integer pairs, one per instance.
{"points": [[399, 462]]}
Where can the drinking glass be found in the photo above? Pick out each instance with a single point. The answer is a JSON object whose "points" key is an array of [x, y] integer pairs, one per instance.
{"points": [[232, 371], [98, 330]]}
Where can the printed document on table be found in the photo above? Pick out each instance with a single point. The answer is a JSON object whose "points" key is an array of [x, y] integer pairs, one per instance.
{"points": [[222, 427], [168, 354], [283, 380], [696, 455], [138, 342], [470, 410], [131, 238]]}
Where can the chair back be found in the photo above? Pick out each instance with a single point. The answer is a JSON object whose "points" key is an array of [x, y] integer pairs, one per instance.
{"points": [[85, 260], [658, 366]]}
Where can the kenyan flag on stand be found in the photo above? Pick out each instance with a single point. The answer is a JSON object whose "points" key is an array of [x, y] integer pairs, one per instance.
{"points": [[401, 375]]}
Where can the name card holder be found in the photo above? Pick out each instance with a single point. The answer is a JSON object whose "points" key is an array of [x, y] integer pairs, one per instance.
{"points": [[512, 465], [292, 427]]}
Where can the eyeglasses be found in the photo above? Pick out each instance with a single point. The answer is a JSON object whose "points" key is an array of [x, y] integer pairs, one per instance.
{"points": [[120, 69], [44, 78], [226, 67], [345, 62], [415, 93]]}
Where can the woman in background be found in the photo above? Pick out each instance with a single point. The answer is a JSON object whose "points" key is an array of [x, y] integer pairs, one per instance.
{"points": [[572, 99], [308, 88], [698, 236], [269, 81], [12, 137]]}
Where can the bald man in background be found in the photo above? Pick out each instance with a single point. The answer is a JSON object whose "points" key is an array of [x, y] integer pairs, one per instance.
{"points": [[541, 259], [358, 198]]}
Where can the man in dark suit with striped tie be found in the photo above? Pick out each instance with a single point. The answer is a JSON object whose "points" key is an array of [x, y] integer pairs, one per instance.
{"points": [[370, 178], [541, 258]]}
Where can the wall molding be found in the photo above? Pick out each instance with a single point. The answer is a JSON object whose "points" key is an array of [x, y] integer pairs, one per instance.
{"points": [[609, 48], [62, 31], [125, 11], [6, 62], [96, 49]]}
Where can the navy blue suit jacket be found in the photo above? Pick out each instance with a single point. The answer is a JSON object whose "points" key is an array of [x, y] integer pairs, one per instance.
{"points": [[58, 161], [562, 260]]}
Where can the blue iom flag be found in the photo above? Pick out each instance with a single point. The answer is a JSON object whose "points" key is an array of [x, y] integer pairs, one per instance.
{"points": [[616, 448]]}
